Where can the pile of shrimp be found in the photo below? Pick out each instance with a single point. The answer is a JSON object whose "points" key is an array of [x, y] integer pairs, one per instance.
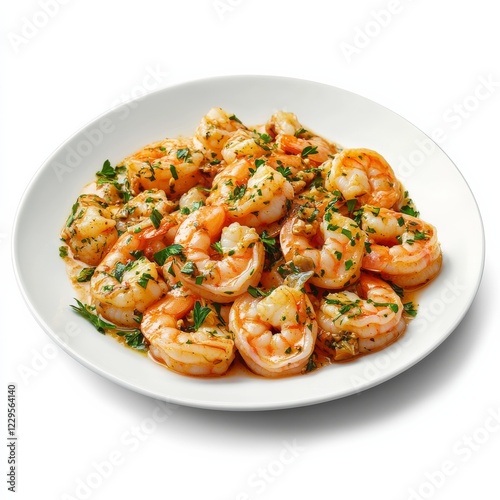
{"points": [[268, 242]]}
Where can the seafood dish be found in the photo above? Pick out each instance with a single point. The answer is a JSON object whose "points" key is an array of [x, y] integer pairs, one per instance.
{"points": [[267, 244]]}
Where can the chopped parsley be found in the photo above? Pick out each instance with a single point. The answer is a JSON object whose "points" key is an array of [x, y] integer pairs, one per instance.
{"points": [[144, 280], [311, 364], [156, 218], [257, 292], [200, 315], [238, 193], [217, 246], [265, 138], [183, 154], [85, 274], [88, 313], [284, 171], [133, 338], [173, 171], [393, 307], [410, 309], [162, 256], [300, 132], [408, 210], [351, 204], [309, 150], [347, 233], [188, 268], [118, 271], [107, 173], [72, 215]]}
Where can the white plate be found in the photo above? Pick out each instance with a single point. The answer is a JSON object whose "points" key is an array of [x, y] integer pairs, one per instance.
{"points": [[433, 181]]}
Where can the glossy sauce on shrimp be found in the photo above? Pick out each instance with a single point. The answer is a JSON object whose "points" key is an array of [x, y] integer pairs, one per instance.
{"points": [[269, 246]]}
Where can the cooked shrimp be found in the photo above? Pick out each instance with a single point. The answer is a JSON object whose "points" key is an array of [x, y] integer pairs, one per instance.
{"points": [[402, 248], [360, 321], [332, 247], [314, 148], [363, 175], [297, 170], [187, 336], [156, 238], [283, 122], [107, 191], [193, 199], [217, 262], [254, 193], [244, 143], [172, 165], [275, 335], [214, 130], [90, 230], [123, 286], [230, 180], [141, 207], [265, 199]]}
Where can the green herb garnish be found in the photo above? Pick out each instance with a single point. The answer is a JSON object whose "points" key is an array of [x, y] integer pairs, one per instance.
{"points": [[85, 274], [162, 256], [199, 314], [173, 171], [188, 268], [183, 154], [144, 280], [134, 338], [309, 150], [257, 292], [156, 218], [88, 313], [410, 309]]}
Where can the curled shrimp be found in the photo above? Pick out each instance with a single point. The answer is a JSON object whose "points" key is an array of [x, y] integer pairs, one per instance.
{"points": [[192, 200], [275, 335], [141, 207], [332, 247], [360, 321], [244, 143], [363, 175], [107, 191], [254, 193], [214, 130], [188, 337], [283, 122], [402, 248], [172, 165], [90, 230], [217, 262], [125, 283]]}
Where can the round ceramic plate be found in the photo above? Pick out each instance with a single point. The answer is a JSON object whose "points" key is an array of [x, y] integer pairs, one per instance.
{"points": [[341, 116]]}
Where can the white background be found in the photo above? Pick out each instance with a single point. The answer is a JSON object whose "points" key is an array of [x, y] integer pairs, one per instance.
{"points": [[432, 432]]}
